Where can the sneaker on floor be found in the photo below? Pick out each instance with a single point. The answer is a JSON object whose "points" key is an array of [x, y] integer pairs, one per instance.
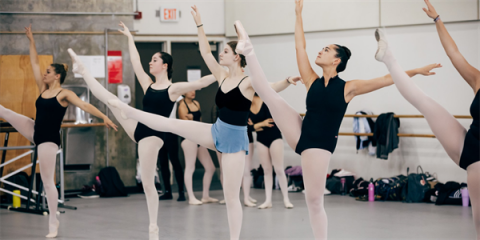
{"points": [[91, 194]]}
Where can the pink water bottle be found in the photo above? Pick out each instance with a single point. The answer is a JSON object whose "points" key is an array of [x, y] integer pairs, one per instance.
{"points": [[371, 192], [343, 180]]}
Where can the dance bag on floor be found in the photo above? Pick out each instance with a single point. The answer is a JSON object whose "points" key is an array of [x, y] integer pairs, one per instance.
{"points": [[110, 183], [417, 186]]}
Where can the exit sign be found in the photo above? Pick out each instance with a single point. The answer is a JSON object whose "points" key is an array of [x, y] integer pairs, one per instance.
{"points": [[169, 14]]}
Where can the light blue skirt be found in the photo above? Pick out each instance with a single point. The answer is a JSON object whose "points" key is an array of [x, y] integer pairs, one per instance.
{"points": [[229, 138]]}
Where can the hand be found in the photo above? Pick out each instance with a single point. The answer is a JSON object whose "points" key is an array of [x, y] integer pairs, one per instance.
{"points": [[196, 15], [294, 80], [250, 122], [431, 10], [28, 32], [268, 123], [125, 30], [426, 71], [298, 6], [109, 124]]}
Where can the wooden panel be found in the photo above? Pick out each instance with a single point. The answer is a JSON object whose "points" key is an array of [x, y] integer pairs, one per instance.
{"points": [[264, 17], [18, 92], [394, 12]]}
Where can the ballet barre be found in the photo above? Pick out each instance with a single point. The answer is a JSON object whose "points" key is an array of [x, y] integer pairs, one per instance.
{"points": [[32, 149], [395, 116]]}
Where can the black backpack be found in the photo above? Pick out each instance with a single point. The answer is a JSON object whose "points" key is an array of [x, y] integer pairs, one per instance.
{"points": [[390, 188], [110, 183], [360, 188], [417, 186]]}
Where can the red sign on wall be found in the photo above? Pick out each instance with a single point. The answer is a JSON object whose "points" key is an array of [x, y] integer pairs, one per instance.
{"points": [[115, 73], [169, 14]]}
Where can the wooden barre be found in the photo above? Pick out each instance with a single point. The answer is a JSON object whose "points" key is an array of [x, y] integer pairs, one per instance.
{"points": [[400, 135], [398, 116]]}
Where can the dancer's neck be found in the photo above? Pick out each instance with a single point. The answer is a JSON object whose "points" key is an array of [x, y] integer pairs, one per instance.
{"points": [[53, 85], [162, 79], [235, 71], [329, 73], [188, 100]]}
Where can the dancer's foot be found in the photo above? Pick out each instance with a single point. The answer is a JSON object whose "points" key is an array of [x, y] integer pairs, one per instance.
{"points": [[288, 204], [194, 201], [153, 232], [252, 200], [209, 200], [116, 103], [166, 196], [181, 197], [53, 230], [244, 46], [78, 66], [382, 45], [265, 205], [248, 203], [222, 201]]}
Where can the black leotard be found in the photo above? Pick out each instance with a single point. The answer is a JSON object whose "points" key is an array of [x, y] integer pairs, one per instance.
{"points": [[197, 114], [156, 102], [471, 145], [326, 108], [48, 120], [268, 134], [234, 107], [250, 131]]}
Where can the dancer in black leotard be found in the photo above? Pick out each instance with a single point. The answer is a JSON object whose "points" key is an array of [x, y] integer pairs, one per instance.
{"points": [[164, 93], [44, 132], [192, 151], [462, 146], [315, 150], [270, 151], [229, 134]]}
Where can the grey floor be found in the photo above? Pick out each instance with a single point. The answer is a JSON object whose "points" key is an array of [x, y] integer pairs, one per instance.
{"points": [[126, 218]]}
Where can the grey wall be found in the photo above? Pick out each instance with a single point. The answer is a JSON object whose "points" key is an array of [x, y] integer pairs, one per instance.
{"points": [[121, 148]]}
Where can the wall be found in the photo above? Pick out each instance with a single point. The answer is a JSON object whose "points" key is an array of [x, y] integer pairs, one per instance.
{"points": [[121, 148], [212, 12], [414, 46]]}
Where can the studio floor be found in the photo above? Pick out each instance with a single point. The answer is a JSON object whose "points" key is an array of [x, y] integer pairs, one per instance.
{"points": [[126, 218]]}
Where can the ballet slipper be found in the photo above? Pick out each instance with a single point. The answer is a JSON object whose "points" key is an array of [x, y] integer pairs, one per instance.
{"points": [[54, 233], [288, 205], [244, 46], [152, 232], [195, 202], [222, 201], [265, 205], [382, 45], [252, 200], [78, 66], [249, 204], [209, 200]]}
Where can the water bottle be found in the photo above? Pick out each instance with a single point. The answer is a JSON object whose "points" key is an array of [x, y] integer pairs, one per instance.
{"points": [[343, 190], [465, 197], [371, 192]]}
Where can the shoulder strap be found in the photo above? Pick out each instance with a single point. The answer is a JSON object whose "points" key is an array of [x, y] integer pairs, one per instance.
{"points": [[241, 81], [186, 105], [58, 93], [222, 82]]}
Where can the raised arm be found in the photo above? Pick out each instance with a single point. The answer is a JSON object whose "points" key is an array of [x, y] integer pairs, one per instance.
{"points": [[217, 70], [34, 60], [283, 84], [72, 98], [359, 87], [306, 71], [468, 72], [181, 88], [143, 78]]}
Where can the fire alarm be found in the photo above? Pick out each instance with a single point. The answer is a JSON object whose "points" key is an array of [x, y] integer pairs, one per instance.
{"points": [[138, 15]]}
